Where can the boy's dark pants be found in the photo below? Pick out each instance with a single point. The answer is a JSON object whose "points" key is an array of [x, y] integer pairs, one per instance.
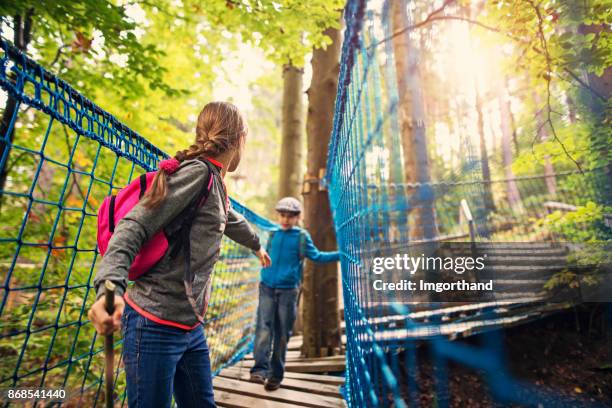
{"points": [[275, 317]]}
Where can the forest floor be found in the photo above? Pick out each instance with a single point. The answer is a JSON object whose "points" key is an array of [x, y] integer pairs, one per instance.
{"points": [[557, 355]]}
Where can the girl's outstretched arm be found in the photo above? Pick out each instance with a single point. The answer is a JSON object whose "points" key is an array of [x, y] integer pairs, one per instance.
{"points": [[240, 231], [313, 253]]}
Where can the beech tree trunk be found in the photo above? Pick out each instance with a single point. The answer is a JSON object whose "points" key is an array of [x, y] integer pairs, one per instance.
{"points": [[291, 144], [398, 224], [489, 203], [512, 191], [513, 126], [484, 155], [598, 101], [601, 85], [22, 33], [292, 132], [321, 319], [411, 117], [549, 171], [571, 108]]}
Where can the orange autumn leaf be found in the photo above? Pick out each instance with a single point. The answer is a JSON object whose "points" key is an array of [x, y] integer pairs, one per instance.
{"points": [[81, 43], [73, 201]]}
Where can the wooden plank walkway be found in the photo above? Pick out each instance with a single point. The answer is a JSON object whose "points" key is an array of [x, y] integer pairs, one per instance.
{"points": [[307, 383]]}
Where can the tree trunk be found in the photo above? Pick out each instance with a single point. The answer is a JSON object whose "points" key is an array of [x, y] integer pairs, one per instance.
{"points": [[412, 127], [512, 191], [397, 224], [598, 101], [22, 30], [601, 85], [513, 126], [484, 155], [494, 139], [549, 171], [321, 317], [292, 133], [291, 145], [571, 108]]}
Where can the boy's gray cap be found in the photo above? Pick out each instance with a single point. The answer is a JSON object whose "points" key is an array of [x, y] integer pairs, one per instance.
{"points": [[289, 204]]}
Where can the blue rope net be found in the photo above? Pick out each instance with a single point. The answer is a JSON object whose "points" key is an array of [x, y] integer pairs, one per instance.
{"points": [[381, 209], [61, 155]]}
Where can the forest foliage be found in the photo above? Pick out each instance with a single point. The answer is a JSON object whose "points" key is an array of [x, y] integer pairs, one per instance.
{"points": [[154, 64], [140, 60]]}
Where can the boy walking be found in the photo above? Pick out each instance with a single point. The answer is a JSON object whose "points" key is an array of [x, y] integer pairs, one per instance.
{"points": [[278, 292]]}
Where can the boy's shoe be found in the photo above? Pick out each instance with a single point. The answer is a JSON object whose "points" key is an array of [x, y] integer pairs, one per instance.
{"points": [[272, 384], [257, 378]]}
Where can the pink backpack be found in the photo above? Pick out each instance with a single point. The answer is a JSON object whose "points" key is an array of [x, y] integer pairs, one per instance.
{"points": [[115, 207]]}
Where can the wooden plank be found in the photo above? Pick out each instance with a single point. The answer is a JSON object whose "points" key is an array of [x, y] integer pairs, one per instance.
{"points": [[294, 347], [320, 378], [307, 366], [231, 400], [339, 357], [289, 383], [281, 395], [295, 343], [292, 357], [290, 354], [316, 366]]}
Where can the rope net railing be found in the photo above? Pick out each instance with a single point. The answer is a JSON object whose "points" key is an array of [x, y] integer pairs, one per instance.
{"points": [[387, 198], [60, 156]]}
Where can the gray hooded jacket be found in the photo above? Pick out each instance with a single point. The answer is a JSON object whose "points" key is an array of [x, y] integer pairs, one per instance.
{"points": [[164, 293]]}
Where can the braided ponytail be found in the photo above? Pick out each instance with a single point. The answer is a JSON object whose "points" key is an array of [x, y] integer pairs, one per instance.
{"points": [[220, 128]]}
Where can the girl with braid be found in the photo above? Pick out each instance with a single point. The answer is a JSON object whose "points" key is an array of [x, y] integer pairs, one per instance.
{"points": [[161, 315]]}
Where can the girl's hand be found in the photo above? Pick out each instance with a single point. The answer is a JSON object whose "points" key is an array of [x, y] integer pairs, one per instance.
{"points": [[264, 258], [102, 321]]}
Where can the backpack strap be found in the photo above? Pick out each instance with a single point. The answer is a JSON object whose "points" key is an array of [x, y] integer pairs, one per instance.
{"points": [[143, 185], [111, 214]]}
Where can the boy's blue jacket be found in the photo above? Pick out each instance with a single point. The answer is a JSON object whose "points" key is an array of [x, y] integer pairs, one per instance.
{"points": [[284, 250]]}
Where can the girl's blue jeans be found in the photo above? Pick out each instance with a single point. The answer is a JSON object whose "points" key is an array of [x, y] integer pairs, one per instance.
{"points": [[275, 317], [161, 361]]}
